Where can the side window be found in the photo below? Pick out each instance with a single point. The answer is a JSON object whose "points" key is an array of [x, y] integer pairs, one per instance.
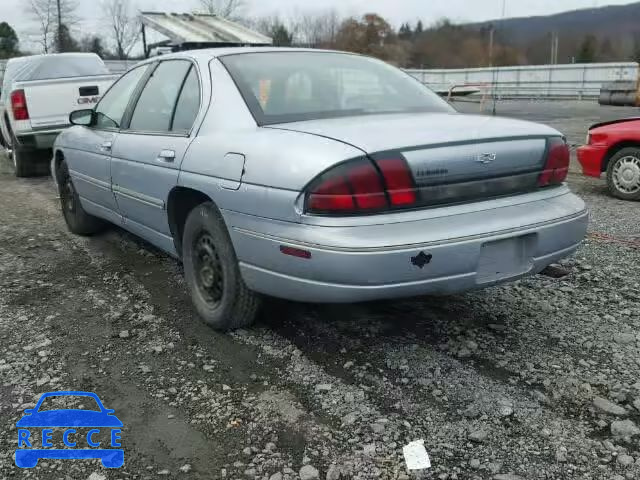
{"points": [[188, 104], [155, 106], [110, 110]]}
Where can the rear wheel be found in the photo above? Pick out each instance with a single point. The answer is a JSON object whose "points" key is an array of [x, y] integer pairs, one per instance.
{"points": [[211, 270], [623, 174], [77, 219], [23, 163]]}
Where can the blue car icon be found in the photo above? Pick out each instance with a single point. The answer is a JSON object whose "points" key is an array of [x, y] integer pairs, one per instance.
{"points": [[70, 419]]}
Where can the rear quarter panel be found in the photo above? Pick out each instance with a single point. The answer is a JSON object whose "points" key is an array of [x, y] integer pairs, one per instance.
{"points": [[608, 139], [277, 163]]}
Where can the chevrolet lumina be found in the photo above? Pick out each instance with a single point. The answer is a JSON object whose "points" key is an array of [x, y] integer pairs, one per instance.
{"points": [[314, 176]]}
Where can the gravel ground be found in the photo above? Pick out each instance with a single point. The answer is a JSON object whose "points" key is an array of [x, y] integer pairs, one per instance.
{"points": [[535, 380]]}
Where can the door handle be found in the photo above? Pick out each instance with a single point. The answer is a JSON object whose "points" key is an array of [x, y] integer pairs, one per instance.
{"points": [[106, 146], [166, 156]]}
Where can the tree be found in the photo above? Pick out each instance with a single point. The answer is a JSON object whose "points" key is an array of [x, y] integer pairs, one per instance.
{"points": [[65, 42], [123, 24], [93, 44], [8, 41], [223, 8], [588, 49], [635, 55], [419, 28], [281, 36], [405, 32], [318, 29], [45, 15], [371, 35]]}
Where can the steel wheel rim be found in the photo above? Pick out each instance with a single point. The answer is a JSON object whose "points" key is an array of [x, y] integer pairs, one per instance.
{"points": [[67, 195], [208, 270], [626, 174]]}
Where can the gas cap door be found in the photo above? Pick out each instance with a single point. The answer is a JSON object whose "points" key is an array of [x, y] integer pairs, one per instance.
{"points": [[232, 170]]}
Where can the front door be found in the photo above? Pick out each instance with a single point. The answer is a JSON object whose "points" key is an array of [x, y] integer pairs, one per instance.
{"points": [[89, 162], [147, 156]]}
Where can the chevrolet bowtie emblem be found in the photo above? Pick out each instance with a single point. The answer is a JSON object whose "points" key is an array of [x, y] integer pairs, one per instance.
{"points": [[486, 158]]}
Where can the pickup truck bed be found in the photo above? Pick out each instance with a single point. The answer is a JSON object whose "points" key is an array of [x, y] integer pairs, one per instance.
{"points": [[49, 103]]}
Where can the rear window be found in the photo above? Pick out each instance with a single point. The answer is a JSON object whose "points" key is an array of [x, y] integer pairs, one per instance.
{"points": [[294, 86], [59, 66]]}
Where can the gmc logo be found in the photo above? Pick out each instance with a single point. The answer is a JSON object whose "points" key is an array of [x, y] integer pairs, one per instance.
{"points": [[88, 100]]}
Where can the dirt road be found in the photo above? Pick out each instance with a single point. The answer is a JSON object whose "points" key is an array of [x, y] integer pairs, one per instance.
{"points": [[499, 383]]}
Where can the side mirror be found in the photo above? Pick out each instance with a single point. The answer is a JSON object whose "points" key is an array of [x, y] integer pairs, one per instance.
{"points": [[82, 117]]}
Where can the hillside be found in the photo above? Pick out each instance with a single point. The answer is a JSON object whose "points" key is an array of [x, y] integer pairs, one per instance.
{"points": [[616, 27]]}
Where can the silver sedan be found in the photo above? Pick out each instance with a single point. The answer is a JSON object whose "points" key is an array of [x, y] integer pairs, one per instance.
{"points": [[314, 176]]}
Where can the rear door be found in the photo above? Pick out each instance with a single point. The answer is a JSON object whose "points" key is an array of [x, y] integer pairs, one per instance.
{"points": [[89, 159], [150, 148]]}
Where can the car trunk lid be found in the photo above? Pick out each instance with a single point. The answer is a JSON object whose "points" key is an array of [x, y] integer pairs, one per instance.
{"points": [[452, 157]]}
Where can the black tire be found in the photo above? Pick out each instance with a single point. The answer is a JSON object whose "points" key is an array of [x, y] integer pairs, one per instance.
{"points": [[77, 219], [23, 163], [211, 270], [623, 174]]}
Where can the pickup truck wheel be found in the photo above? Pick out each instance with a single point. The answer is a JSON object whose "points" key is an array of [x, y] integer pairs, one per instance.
{"points": [[211, 270], [623, 174], [77, 219], [22, 163]]}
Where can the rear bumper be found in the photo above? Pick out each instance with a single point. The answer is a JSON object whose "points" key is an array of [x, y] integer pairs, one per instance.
{"points": [[591, 158], [38, 140], [351, 269]]}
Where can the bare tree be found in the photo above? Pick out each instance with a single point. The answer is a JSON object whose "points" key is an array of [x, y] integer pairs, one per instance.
{"points": [[223, 8], [45, 16], [124, 26], [316, 29]]}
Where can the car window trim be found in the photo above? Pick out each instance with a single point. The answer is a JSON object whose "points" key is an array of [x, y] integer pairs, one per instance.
{"points": [[194, 67], [125, 128], [116, 129], [175, 105], [135, 97]]}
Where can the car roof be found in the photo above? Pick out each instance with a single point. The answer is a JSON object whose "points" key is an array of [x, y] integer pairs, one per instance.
{"points": [[209, 53]]}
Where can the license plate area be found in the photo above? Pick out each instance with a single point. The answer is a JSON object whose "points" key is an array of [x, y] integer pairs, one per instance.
{"points": [[506, 258]]}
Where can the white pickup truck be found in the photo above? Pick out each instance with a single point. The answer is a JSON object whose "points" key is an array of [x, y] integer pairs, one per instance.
{"points": [[38, 94]]}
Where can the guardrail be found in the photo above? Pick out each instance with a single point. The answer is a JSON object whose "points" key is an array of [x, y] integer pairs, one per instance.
{"points": [[562, 81]]}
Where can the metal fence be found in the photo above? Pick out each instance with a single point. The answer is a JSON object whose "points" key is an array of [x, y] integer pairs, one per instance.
{"points": [[565, 81], [560, 81]]}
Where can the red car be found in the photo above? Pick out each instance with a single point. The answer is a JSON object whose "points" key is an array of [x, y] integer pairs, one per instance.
{"points": [[614, 147]]}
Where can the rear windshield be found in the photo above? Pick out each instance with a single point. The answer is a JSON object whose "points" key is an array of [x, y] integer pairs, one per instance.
{"points": [[58, 66], [295, 86]]}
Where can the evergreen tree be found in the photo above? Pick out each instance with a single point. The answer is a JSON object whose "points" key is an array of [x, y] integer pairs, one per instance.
{"points": [[8, 41], [588, 49], [281, 35]]}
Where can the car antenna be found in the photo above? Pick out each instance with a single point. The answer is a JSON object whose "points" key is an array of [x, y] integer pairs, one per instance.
{"points": [[496, 73]]}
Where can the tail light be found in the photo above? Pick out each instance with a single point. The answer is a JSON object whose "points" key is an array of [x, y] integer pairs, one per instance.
{"points": [[556, 166], [19, 105], [362, 186]]}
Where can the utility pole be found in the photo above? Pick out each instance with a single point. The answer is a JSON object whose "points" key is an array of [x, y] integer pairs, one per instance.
{"points": [[491, 39], [59, 26], [555, 45]]}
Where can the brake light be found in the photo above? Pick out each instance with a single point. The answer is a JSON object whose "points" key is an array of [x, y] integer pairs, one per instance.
{"points": [[360, 186], [19, 105], [399, 182], [556, 166]]}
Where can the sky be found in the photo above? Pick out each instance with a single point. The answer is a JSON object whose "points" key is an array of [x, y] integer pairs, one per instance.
{"points": [[395, 11]]}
